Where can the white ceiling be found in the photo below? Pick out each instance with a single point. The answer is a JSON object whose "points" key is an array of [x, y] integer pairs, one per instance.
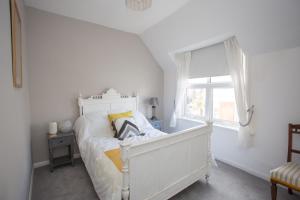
{"points": [[260, 26], [110, 13]]}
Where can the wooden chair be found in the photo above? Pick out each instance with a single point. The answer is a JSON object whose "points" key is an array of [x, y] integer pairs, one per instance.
{"points": [[287, 175]]}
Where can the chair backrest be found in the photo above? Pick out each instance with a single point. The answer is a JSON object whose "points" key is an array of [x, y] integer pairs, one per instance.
{"points": [[293, 129]]}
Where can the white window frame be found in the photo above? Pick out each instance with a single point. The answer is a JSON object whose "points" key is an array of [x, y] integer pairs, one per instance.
{"points": [[209, 86]]}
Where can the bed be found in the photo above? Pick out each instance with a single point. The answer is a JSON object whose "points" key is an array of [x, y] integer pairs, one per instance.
{"points": [[155, 166]]}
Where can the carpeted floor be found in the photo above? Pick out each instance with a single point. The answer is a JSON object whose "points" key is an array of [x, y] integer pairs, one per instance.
{"points": [[226, 183]]}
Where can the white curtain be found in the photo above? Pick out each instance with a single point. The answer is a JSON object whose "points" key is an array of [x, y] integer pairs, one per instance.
{"points": [[238, 70], [182, 61]]}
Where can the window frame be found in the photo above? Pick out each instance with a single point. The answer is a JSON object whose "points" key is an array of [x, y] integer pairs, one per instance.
{"points": [[209, 86]]}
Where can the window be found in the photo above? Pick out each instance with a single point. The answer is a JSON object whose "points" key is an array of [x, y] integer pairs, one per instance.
{"points": [[195, 102], [211, 98]]}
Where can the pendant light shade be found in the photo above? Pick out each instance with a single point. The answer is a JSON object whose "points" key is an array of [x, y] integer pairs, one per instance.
{"points": [[138, 5]]}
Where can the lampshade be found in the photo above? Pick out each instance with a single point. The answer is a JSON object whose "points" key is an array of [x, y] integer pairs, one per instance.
{"points": [[138, 5], [153, 101]]}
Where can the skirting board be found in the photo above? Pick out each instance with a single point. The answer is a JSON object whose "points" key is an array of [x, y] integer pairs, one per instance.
{"points": [[46, 162], [250, 171], [246, 169]]}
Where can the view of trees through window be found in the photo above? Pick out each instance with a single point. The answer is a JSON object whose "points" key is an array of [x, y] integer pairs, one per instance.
{"points": [[195, 102], [211, 98]]}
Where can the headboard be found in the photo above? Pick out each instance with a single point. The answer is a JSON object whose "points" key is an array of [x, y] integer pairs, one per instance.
{"points": [[110, 101]]}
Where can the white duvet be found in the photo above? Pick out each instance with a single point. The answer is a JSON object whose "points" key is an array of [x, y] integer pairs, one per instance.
{"points": [[94, 137]]}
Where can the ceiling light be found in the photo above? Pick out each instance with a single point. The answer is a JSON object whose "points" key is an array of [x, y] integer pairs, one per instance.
{"points": [[138, 5]]}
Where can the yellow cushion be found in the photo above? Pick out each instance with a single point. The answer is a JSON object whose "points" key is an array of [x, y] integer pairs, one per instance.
{"points": [[115, 156], [113, 117], [288, 174]]}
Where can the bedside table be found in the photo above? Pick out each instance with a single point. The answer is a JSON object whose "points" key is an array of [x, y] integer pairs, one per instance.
{"points": [[61, 140], [155, 123]]}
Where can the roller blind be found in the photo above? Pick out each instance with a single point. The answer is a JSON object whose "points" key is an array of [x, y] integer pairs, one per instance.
{"points": [[209, 61]]}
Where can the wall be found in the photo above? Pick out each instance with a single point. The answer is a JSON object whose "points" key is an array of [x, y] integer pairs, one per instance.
{"points": [[275, 84], [68, 57], [261, 27], [15, 154]]}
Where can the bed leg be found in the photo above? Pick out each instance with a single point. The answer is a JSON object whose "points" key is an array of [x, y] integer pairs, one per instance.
{"points": [[207, 178], [125, 170], [125, 194]]}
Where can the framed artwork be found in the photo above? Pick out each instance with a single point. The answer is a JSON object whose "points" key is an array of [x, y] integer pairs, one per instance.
{"points": [[16, 40]]}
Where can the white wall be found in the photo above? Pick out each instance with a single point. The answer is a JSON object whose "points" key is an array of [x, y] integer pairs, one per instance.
{"points": [[261, 27], [275, 93], [69, 56], [15, 152]]}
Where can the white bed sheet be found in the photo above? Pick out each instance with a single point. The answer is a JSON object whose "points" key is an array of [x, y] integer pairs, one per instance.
{"points": [[106, 178]]}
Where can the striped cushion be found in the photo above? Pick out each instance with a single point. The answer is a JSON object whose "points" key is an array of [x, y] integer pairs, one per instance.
{"points": [[288, 174], [125, 127]]}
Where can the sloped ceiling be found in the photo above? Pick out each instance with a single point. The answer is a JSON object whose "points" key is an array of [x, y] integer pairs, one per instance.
{"points": [[260, 26], [110, 13]]}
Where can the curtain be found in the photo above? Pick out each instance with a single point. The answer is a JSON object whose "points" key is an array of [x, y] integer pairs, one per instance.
{"points": [[238, 70], [182, 61]]}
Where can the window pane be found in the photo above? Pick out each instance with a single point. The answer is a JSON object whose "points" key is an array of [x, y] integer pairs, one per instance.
{"points": [[193, 81], [221, 79], [195, 102], [224, 107]]}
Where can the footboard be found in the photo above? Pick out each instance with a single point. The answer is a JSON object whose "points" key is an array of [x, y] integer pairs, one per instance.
{"points": [[160, 168]]}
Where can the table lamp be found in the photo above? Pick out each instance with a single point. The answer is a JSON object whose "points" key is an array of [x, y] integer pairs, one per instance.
{"points": [[154, 103]]}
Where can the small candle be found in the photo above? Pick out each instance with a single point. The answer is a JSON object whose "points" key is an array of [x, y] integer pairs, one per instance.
{"points": [[52, 127]]}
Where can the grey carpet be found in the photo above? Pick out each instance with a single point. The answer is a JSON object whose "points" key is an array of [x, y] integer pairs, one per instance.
{"points": [[226, 183]]}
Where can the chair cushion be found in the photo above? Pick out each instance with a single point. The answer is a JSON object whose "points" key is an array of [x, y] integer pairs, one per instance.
{"points": [[288, 174]]}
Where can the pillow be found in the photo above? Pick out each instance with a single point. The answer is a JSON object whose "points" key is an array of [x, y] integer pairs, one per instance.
{"points": [[98, 125], [125, 127], [141, 121], [80, 129], [113, 117]]}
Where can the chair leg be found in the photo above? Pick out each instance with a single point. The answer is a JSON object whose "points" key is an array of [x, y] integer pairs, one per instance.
{"points": [[274, 191], [290, 191]]}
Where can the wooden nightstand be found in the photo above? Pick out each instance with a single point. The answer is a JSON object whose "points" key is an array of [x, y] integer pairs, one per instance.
{"points": [[155, 123], [61, 140]]}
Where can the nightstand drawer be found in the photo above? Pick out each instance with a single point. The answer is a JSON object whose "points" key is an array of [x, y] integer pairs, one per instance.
{"points": [[61, 141]]}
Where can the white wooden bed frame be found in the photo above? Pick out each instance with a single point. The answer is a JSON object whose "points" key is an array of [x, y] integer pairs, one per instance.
{"points": [[159, 168]]}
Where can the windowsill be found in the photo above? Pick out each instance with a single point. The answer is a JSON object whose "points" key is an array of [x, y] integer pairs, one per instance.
{"points": [[191, 119], [215, 124], [232, 128]]}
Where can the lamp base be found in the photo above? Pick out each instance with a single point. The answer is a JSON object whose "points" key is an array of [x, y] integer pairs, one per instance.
{"points": [[153, 118]]}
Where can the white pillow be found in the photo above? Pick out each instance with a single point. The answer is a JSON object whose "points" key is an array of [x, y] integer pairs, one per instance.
{"points": [[141, 121], [98, 124], [80, 129], [93, 125]]}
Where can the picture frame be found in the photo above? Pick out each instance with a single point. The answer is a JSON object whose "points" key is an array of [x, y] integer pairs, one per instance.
{"points": [[16, 42]]}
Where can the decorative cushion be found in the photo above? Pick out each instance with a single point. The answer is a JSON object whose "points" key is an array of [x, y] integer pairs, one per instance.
{"points": [[115, 116], [288, 174], [125, 127]]}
